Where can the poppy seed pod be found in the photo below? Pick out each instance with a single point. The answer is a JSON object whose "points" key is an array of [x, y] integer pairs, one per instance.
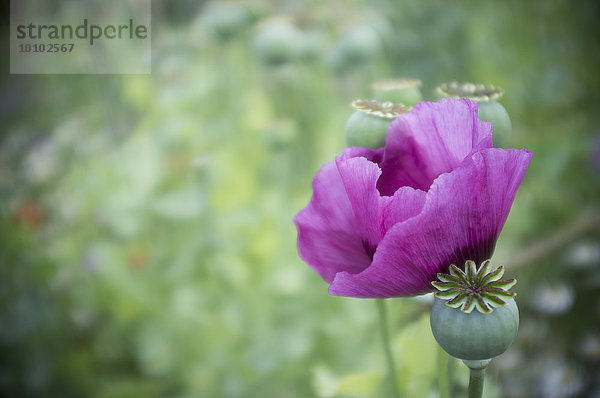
{"points": [[277, 42], [470, 334], [489, 109], [312, 47], [474, 336], [368, 126], [403, 90], [494, 112], [360, 45]]}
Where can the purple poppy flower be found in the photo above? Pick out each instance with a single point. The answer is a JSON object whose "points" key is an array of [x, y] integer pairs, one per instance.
{"points": [[384, 222]]}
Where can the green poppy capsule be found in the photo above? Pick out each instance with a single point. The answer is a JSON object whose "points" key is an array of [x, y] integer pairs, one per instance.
{"points": [[402, 90], [277, 42], [494, 112], [368, 126], [474, 336], [474, 316], [360, 45], [312, 46]]}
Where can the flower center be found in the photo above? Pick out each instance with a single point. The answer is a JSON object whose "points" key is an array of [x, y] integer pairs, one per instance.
{"points": [[474, 288], [369, 249]]}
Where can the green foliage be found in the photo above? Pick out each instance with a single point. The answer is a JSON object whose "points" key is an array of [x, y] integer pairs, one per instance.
{"points": [[417, 353]]}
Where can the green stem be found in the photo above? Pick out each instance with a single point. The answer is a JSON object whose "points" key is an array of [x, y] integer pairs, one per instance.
{"points": [[476, 377], [443, 373], [387, 347]]}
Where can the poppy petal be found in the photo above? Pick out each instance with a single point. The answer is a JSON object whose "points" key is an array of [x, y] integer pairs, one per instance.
{"points": [[328, 237], [462, 217], [375, 214], [431, 139]]}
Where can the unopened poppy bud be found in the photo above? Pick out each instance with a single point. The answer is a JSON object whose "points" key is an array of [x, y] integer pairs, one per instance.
{"points": [[489, 109], [402, 90], [277, 42], [368, 126], [474, 316]]}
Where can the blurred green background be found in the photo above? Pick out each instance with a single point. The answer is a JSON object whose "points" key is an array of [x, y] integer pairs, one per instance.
{"points": [[146, 240]]}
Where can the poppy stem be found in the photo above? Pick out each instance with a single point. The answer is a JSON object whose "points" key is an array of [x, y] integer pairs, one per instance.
{"points": [[476, 377], [383, 322]]}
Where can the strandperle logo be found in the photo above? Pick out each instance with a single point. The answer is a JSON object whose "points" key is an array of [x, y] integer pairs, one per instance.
{"points": [[87, 31], [81, 37]]}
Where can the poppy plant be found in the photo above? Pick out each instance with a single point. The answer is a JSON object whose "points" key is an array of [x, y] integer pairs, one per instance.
{"points": [[384, 222]]}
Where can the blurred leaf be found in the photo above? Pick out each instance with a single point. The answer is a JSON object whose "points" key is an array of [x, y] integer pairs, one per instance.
{"points": [[363, 384], [416, 353]]}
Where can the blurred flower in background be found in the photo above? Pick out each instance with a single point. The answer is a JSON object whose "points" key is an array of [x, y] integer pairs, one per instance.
{"points": [[147, 248]]}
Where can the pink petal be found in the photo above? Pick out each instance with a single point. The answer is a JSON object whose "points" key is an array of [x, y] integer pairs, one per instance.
{"points": [[328, 236], [375, 214], [432, 139], [461, 219]]}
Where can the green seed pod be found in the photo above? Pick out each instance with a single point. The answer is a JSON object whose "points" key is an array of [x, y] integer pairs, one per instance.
{"points": [[369, 124], [489, 110], [360, 45], [402, 90], [494, 112], [474, 335], [277, 42], [312, 47], [366, 130]]}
